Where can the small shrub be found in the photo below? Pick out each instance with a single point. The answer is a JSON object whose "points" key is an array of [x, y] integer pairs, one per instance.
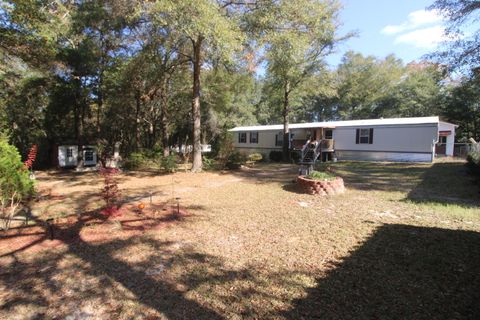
{"points": [[134, 161], [15, 184], [169, 164], [255, 157], [155, 153], [110, 192], [148, 158], [235, 160], [473, 162], [276, 156], [324, 167], [32, 155], [208, 163], [226, 149], [319, 175]]}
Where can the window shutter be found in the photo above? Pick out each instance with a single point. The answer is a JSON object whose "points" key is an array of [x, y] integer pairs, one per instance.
{"points": [[239, 137], [370, 138], [357, 138]]}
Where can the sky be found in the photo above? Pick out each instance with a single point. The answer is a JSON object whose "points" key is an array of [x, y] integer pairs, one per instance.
{"points": [[401, 27]]}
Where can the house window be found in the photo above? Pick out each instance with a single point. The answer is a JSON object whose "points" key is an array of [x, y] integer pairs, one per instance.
{"points": [[442, 140], [329, 134], [279, 139], [242, 137], [69, 152], [253, 137], [364, 136]]}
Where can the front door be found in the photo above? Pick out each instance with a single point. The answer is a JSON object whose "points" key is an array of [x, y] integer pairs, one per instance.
{"points": [[441, 146]]}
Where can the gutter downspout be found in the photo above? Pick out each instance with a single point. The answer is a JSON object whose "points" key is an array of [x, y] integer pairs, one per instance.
{"points": [[434, 143]]}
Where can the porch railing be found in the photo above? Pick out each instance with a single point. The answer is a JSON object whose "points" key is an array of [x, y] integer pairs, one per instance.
{"points": [[304, 149]]}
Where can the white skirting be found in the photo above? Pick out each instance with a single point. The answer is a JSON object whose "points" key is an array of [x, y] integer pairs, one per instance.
{"points": [[384, 156]]}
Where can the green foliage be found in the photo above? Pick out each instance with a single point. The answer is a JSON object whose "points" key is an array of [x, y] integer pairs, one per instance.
{"points": [[70, 74], [462, 52], [473, 162], [15, 184], [143, 159], [275, 156], [208, 163], [324, 167], [255, 157], [235, 160], [169, 163], [225, 148], [14, 178], [462, 107], [321, 175], [135, 161]]}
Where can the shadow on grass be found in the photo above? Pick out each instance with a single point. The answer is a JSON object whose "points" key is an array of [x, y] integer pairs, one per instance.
{"points": [[293, 187], [401, 272], [35, 284], [442, 182], [268, 173], [446, 183], [381, 176]]}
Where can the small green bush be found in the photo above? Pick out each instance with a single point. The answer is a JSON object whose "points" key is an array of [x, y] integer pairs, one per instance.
{"points": [[208, 163], [473, 162], [255, 157], [235, 160], [324, 167], [145, 159], [319, 175], [134, 161], [276, 156], [15, 183], [225, 150], [169, 164]]}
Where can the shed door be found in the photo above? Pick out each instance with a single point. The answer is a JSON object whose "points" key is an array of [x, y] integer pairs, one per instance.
{"points": [[71, 155], [89, 157]]}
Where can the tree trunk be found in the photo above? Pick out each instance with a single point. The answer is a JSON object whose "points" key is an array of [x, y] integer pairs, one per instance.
{"points": [[286, 130], [78, 111], [197, 152], [137, 121], [164, 118], [99, 104]]}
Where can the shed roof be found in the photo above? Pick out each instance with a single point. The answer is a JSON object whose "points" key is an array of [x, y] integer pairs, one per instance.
{"points": [[347, 123]]}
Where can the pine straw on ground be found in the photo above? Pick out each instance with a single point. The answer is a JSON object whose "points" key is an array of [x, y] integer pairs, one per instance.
{"points": [[395, 245]]}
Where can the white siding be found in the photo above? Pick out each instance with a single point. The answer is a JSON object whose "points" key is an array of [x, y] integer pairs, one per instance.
{"points": [[407, 142], [384, 156], [443, 126], [407, 139], [67, 161], [266, 140]]}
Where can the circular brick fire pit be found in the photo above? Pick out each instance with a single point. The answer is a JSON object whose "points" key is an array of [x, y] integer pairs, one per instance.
{"points": [[321, 187]]}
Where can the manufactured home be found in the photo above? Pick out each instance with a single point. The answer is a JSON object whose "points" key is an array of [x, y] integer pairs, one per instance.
{"points": [[397, 139]]}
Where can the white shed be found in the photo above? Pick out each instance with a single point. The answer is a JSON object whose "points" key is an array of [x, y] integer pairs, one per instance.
{"points": [[67, 156]]}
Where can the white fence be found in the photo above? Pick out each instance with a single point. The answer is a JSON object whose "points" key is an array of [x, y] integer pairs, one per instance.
{"points": [[205, 148]]}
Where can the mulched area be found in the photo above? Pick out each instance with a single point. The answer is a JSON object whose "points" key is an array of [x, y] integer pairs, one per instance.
{"points": [[90, 227]]}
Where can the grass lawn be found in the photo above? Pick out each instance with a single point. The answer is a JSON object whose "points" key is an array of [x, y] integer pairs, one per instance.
{"points": [[402, 242]]}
